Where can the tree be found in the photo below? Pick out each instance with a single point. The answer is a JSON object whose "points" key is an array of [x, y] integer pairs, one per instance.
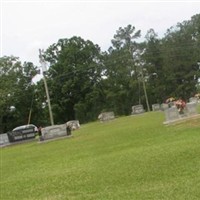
{"points": [[181, 57], [16, 92], [153, 60], [121, 71], [74, 73]]}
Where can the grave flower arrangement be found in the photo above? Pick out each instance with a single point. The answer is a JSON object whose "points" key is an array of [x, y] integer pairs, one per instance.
{"points": [[180, 104], [197, 96], [170, 101]]}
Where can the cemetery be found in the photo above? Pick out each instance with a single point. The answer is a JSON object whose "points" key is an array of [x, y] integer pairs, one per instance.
{"points": [[111, 152], [28, 133], [109, 155], [171, 111], [89, 122]]}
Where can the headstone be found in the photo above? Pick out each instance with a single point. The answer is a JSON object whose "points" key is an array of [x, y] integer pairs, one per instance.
{"points": [[137, 109], [156, 107], [171, 114], [106, 116], [191, 108], [73, 124], [164, 106], [24, 132], [193, 99], [4, 139], [55, 131]]}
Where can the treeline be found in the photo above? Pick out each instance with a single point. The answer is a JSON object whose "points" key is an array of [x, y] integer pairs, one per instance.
{"points": [[84, 81]]}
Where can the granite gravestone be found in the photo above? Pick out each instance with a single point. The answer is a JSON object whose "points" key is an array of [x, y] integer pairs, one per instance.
{"points": [[172, 114], [193, 99], [55, 131], [164, 106], [156, 107], [106, 116], [51, 132], [191, 108], [73, 124], [137, 109], [4, 139]]}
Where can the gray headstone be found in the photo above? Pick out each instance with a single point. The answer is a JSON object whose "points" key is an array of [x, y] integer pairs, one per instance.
{"points": [[137, 109], [164, 106], [51, 132], [191, 108], [73, 124], [106, 116], [171, 114], [4, 139], [156, 107], [193, 99]]}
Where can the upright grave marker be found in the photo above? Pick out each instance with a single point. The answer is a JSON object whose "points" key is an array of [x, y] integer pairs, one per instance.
{"points": [[172, 114], [156, 107], [106, 116], [56, 131], [137, 109], [4, 139]]}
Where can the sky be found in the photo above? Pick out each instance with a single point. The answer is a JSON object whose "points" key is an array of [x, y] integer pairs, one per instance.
{"points": [[29, 25]]}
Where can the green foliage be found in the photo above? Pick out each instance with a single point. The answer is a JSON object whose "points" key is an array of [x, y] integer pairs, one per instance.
{"points": [[134, 157], [73, 77], [16, 92], [181, 56], [83, 80], [121, 87]]}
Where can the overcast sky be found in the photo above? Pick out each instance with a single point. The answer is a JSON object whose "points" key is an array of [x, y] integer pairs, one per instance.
{"points": [[27, 26]]}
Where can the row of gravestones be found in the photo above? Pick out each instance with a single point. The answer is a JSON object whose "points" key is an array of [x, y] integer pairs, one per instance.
{"points": [[137, 109], [47, 133], [171, 113], [56, 131]]}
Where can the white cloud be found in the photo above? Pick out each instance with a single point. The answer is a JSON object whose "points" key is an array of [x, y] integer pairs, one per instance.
{"points": [[30, 25]]}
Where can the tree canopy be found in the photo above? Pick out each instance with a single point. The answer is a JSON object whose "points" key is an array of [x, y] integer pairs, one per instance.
{"points": [[84, 81]]}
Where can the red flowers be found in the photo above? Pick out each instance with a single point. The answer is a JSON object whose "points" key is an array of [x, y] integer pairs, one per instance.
{"points": [[180, 104]]}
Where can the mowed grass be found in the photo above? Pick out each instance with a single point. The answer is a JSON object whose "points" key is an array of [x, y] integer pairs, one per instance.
{"points": [[133, 157]]}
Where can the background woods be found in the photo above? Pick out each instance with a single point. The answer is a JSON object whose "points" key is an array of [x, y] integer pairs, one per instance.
{"points": [[84, 81]]}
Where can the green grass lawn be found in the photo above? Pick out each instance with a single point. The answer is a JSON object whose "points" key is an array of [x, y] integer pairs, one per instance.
{"points": [[133, 157]]}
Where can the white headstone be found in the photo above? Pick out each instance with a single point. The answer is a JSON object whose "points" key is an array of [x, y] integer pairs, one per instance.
{"points": [[4, 139], [106, 116], [54, 131], [137, 109], [156, 107], [164, 106], [171, 114]]}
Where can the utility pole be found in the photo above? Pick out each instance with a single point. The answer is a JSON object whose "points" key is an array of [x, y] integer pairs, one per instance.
{"points": [[43, 66], [145, 91], [143, 83]]}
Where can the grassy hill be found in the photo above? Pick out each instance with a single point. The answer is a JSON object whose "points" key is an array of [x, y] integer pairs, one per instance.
{"points": [[133, 157]]}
